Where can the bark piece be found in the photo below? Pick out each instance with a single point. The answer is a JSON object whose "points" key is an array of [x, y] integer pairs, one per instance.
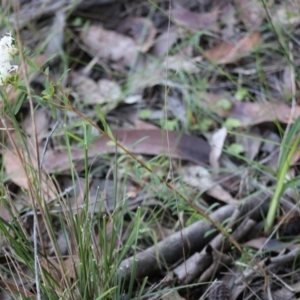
{"points": [[170, 250], [190, 269]]}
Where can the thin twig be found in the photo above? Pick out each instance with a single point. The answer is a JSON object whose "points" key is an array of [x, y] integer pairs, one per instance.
{"points": [[47, 142]]}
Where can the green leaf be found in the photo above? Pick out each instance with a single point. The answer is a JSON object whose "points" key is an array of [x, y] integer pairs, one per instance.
{"points": [[145, 114], [235, 149], [224, 104], [232, 123], [241, 94], [205, 124]]}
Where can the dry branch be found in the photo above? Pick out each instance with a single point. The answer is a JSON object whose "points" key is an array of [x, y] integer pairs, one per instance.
{"points": [[194, 266], [181, 244]]}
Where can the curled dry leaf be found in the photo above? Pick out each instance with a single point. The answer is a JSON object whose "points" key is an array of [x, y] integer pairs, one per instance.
{"points": [[109, 45], [200, 178], [142, 30], [192, 21], [217, 142], [14, 168], [227, 52], [102, 92]]}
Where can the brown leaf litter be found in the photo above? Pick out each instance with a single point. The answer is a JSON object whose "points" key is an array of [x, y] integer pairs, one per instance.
{"points": [[251, 113], [227, 52], [193, 21], [189, 65], [147, 142]]}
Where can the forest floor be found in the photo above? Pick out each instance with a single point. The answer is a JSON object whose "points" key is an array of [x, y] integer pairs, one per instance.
{"points": [[150, 150]]}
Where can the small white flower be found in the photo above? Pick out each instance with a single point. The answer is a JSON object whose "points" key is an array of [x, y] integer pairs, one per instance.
{"points": [[7, 52]]}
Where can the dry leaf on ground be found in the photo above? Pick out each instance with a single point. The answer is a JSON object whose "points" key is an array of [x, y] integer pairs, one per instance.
{"points": [[250, 113], [142, 125], [56, 31], [251, 142], [109, 45], [165, 41], [102, 92], [200, 178], [15, 170], [228, 52], [180, 62], [4, 213], [142, 30], [217, 142], [10, 285], [42, 120], [147, 142], [192, 21]]}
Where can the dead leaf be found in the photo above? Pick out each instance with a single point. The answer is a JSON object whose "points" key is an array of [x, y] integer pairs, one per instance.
{"points": [[10, 285], [109, 45], [192, 21], [147, 142], [250, 113], [4, 213], [14, 168], [251, 13], [217, 142], [251, 142], [227, 52], [263, 243], [288, 81], [56, 31], [42, 120], [72, 263], [102, 92], [142, 125], [200, 178], [142, 30], [165, 42], [133, 99], [180, 62]]}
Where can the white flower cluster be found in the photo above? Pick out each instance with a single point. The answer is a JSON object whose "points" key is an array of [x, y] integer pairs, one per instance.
{"points": [[7, 52]]}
